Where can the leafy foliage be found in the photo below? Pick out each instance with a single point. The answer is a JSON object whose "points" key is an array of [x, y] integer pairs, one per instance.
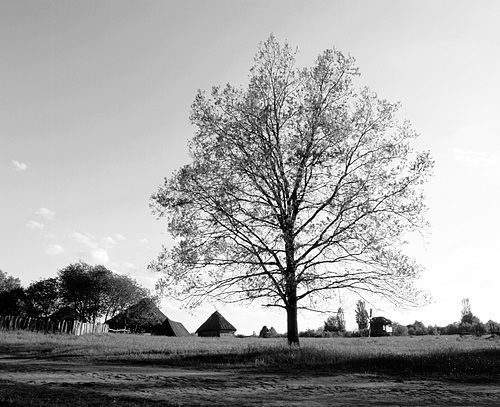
{"points": [[42, 298], [80, 291], [12, 302], [399, 330], [95, 291], [7, 282], [122, 292], [417, 328], [84, 287], [11, 295]]}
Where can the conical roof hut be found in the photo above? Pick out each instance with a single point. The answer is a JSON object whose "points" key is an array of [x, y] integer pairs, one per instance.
{"points": [[170, 328], [216, 325]]}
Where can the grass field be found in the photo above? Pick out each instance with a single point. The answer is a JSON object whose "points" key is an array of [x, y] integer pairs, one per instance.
{"points": [[441, 355], [131, 370]]}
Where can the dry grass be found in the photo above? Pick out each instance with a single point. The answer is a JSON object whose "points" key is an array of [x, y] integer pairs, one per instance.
{"points": [[435, 355]]}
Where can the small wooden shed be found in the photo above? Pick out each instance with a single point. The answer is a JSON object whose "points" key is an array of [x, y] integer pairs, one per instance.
{"points": [[380, 326], [216, 325]]}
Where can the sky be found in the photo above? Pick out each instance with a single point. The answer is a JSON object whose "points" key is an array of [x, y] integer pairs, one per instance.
{"points": [[94, 112]]}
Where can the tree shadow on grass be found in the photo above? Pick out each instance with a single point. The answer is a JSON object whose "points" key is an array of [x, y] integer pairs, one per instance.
{"points": [[14, 394], [477, 365]]}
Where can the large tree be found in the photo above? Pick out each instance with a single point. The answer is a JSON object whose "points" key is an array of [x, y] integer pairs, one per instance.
{"points": [[84, 288], [299, 184]]}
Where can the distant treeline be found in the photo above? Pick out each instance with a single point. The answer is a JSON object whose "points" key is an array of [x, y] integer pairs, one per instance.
{"points": [[80, 292], [47, 325], [469, 324]]}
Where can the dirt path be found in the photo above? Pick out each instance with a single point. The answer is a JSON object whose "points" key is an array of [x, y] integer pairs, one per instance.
{"points": [[147, 385]]}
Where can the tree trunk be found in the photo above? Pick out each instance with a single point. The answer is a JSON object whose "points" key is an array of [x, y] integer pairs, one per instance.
{"points": [[293, 331]]}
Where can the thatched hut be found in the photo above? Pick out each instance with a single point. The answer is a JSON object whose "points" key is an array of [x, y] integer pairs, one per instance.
{"points": [[216, 325], [380, 326], [139, 318], [170, 328]]}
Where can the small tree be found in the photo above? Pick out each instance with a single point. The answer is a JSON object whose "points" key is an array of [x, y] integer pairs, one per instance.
{"points": [[341, 320], [362, 318], [330, 324], [417, 328], [469, 323], [335, 323], [399, 330], [467, 315], [493, 327]]}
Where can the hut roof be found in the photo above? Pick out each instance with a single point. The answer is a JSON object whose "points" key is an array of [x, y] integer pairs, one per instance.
{"points": [[216, 322], [171, 328], [145, 311], [381, 320]]}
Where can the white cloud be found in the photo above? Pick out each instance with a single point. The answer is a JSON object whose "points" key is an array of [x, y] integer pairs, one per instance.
{"points": [[54, 249], [18, 165], [33, 224], [49, 236], [108, 242], [86, 239], [99, 255], [96, 246], [144, 241], [475, 158], [46, 213]]}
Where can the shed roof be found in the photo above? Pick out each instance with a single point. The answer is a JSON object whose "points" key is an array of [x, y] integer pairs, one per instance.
{"points": [[216, 322]]}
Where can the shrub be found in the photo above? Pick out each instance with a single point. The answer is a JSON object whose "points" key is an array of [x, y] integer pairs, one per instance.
{"points": [[399, 330], [417, 328]]}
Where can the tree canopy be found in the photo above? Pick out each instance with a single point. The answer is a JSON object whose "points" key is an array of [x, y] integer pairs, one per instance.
{"points": [[299, 184], [95, 291], [80, 291], [42, 298], [7, 282]]}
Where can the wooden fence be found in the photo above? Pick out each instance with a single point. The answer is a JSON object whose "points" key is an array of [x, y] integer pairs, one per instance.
{"points": [[47, 325]]}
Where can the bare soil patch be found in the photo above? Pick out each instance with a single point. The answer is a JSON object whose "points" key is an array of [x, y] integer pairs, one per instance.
{"points": [[81, 382]]}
